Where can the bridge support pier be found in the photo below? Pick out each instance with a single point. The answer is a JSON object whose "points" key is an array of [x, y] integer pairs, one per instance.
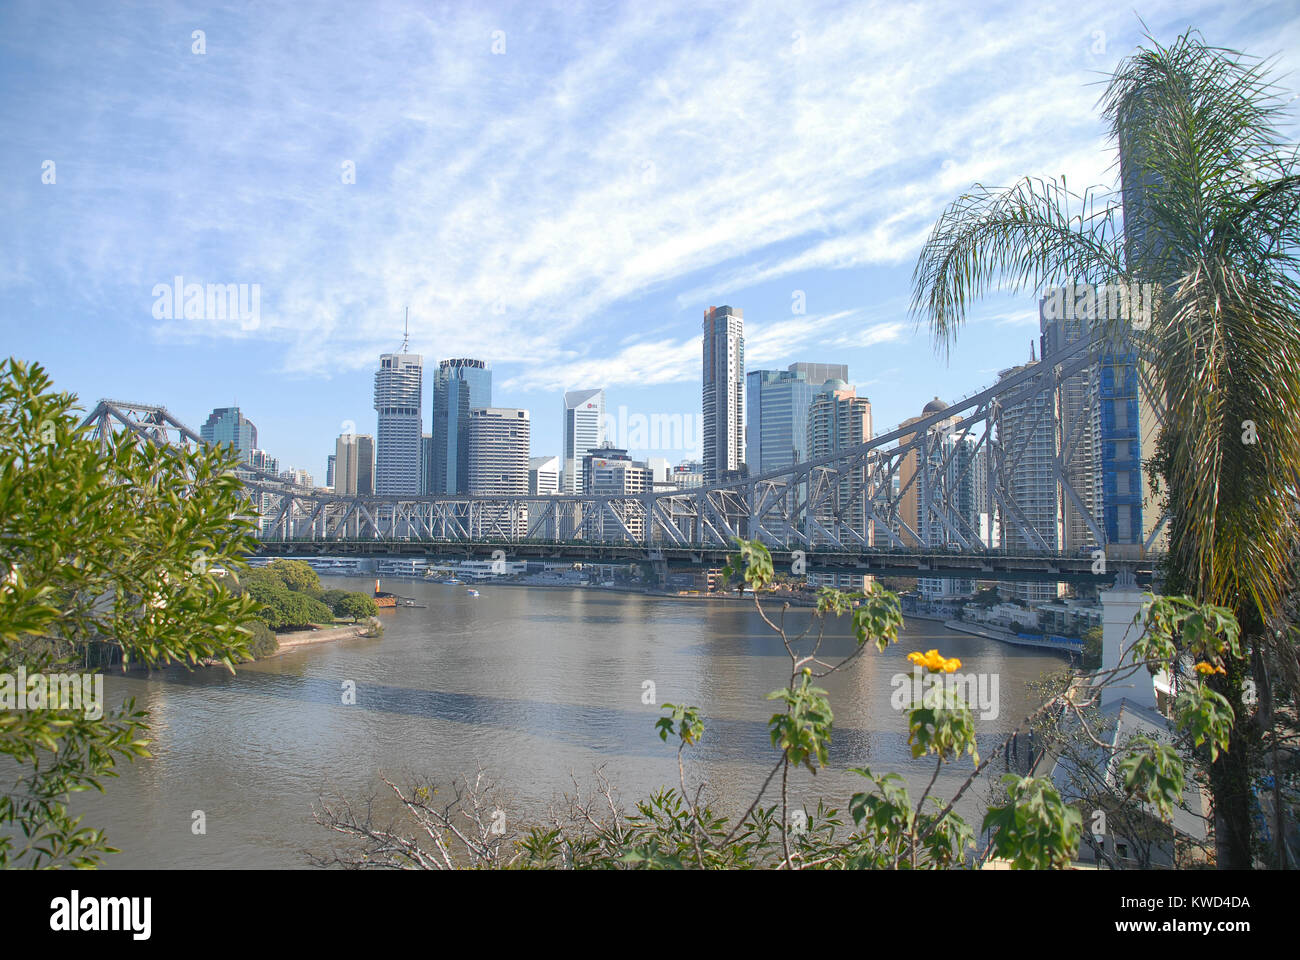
{"points": [[1119, 606]]}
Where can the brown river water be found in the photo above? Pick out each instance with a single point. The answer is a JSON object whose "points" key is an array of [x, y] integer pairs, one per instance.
{"points": [[536, 686]]}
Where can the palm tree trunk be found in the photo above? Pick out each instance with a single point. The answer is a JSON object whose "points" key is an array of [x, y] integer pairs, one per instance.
{"points": [[1230, 773]]}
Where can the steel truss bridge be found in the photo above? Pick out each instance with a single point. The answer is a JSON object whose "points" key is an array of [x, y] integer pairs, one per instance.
{"points": [[844, 511]]}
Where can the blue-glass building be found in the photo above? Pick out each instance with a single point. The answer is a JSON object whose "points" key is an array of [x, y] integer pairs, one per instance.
{"points": [[226, 425], [459, 386], [776, 423], [1121, 448]]}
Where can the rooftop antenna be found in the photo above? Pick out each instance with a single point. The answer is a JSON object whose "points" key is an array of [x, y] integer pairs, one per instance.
{"points": [[1031, 352], [406, 331]]}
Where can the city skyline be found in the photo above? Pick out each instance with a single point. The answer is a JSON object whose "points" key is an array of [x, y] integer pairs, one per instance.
{"points": [[804, 218]]}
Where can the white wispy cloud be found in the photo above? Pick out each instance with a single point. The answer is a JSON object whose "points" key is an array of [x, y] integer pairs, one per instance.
{"points": [[515, 201]]}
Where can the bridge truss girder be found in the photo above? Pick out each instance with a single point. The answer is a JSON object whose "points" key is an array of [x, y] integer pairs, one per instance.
{"points": [[844, 501]]}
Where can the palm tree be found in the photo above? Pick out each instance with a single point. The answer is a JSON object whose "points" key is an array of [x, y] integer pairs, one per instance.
{"points": [[1210, 195]]}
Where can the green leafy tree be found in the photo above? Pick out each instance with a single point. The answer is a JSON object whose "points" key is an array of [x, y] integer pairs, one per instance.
{"points": [[104, 555], [281, 608], [1092, 648], [332, 599], [358, 606], [263, 642], [1217, 234], [295, 574]]}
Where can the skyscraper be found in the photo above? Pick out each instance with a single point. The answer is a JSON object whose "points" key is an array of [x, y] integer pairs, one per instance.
{"points": [[1027, 433], [499, 440], [1077, 440], [426, 464], [1140, 186], [776, 409], [724, 392], [911, 480], [354, 465], [1128, 422], [329, 470], [837, 420], [584, 430], [461, 385], [819, 373], [227, 426], [398, 392]]}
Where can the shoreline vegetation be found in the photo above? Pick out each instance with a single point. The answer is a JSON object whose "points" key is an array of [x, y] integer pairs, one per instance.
{"points": [[298, 639]]}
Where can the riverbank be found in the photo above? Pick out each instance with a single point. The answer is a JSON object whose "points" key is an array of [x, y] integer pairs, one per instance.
{"points": [[728, 597], [308, 638], [1005, 636]]}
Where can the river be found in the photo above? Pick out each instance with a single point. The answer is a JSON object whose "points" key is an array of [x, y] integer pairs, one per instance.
{"points": [[537, 686]]}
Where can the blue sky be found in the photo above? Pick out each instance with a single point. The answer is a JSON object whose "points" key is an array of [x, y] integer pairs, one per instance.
{"points": [[564, 207]]}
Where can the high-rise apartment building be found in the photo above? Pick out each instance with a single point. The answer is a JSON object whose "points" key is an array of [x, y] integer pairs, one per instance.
{"points": [[724, 392], [297, 476], [1144, 247], [354, 465], [398, 392], [1129, 424], [1027, 433], [461, 385], [939, 495], [229, 427], [910, 480], [837, 420], [1127, 432], [584, 430], [982, 489], [1077, 431], [261, 460]]}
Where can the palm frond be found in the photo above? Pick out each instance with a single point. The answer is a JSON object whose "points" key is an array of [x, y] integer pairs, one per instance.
{"points": [[1034, 234], [1196, 126]]}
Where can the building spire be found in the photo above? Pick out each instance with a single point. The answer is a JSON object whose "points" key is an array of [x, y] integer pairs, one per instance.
{"points": [[406, 330]]}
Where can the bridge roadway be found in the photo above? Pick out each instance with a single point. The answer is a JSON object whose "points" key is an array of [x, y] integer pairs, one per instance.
{"points": [[993, 565]]}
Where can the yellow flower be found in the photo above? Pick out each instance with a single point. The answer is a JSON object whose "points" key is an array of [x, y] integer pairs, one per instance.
{"points": [[1204, 668], [934, 661]]}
